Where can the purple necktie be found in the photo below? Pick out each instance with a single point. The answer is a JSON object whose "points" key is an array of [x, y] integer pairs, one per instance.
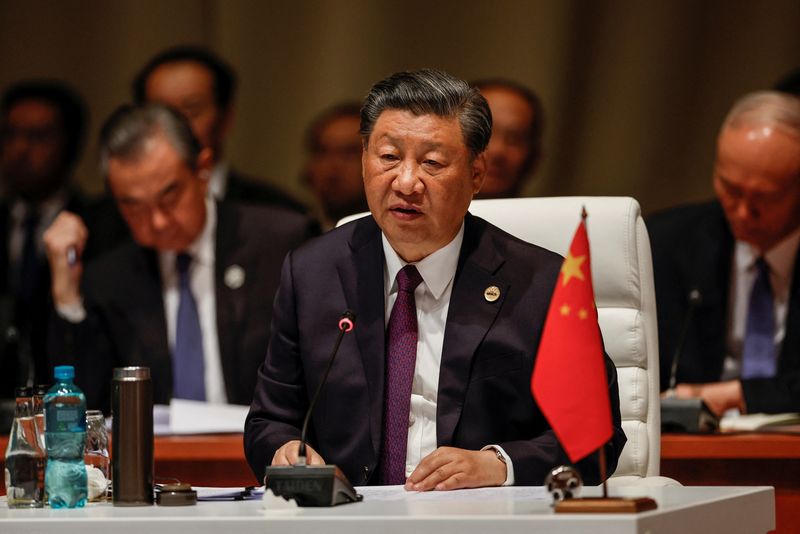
{"points": [[401, 355], [758, 355], [188, 365]]}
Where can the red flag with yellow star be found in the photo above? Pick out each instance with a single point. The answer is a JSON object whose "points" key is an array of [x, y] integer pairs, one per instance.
{"points": [[569, 379]]}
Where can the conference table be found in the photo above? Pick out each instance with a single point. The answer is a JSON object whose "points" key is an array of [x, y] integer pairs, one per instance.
{"points": [[741, 459], [721, 460], [391, 510]]}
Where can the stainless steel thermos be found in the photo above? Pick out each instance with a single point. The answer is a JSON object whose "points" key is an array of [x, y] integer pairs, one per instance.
{"points": [[132, 436]]}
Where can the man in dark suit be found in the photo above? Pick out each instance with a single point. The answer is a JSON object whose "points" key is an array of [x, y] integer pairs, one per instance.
{"points": [[433, 388], [42, 131], [723, 253], [202, 87], [190, 297]]}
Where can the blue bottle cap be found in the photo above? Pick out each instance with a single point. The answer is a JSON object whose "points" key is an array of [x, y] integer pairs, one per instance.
{"points": [[64, 372]]}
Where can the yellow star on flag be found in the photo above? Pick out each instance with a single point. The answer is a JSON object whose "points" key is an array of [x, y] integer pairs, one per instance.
{"points": [[564, 310], [572, 268], [583, 314]]}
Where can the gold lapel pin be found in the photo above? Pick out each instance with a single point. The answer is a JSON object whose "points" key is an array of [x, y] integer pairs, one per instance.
{"points": [[491, 293]]}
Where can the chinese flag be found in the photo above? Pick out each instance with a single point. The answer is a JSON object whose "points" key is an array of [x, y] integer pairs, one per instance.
{"points": [[569, 379]]}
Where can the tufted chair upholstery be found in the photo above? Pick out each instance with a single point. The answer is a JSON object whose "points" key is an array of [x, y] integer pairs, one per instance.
{"points": [[622, 272]]}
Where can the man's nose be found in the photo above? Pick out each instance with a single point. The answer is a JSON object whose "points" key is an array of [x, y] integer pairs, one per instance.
{"points": [[746, 210], [407, 181], [159, 219]]}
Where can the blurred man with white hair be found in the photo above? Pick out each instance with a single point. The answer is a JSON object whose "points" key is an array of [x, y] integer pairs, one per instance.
{"points": [[730, 266]]}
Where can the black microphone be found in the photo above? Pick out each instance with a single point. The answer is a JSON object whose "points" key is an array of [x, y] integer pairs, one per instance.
{"points": [[685, 415], [695, 300], [314, 485]]}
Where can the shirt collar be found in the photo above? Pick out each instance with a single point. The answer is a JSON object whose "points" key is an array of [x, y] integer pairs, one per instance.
{"points": [[218, 182], [202, 248], [437, 269], [780, 258], [48, 209]]}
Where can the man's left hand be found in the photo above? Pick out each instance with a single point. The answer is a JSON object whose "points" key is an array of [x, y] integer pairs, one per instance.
{"points": [[718, 396], [449, 468]]}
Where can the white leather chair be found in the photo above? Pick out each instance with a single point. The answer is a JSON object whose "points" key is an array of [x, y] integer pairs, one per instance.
{"points": [[622, 274]]}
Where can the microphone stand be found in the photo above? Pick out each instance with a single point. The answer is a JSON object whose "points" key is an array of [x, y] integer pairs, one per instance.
{"points": [[314, 485], [685, 415]]}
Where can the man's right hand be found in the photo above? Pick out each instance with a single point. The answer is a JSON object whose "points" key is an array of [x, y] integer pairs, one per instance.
{"points": [[65, 240], [287, 454]]}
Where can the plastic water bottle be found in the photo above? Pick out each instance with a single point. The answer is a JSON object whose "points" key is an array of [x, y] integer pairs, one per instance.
{"points": [[65, 436], [24, 470]]}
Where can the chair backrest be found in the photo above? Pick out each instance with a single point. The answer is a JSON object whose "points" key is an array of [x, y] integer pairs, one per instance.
{"points": [[622, 274]]}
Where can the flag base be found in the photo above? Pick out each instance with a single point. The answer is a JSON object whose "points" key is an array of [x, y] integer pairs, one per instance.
{"points": [[605, 505]]}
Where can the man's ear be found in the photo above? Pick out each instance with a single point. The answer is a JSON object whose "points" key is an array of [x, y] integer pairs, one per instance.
{"points": [[478, 172], [205, 163]]}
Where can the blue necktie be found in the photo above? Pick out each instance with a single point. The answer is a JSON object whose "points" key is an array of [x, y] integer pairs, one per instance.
{"points": [[401, 357], [188, 368], [758, 356]]}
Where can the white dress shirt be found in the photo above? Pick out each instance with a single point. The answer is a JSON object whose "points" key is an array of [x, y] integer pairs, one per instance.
{"points": [[432, 298], [218, 181], [201, 281], [48, 210], [781, 260]]}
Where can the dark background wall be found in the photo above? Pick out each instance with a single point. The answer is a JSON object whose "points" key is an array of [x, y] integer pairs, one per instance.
{"points": [[634, 90]]}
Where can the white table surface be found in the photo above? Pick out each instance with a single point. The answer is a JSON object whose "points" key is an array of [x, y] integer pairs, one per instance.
{"points": [[685, 510]]}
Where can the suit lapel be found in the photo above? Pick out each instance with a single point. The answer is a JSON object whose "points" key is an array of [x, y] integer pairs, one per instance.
{"points": [[790, 352], [147, 303], [361, 276], [230, 303], [711, 264], [469, 317]]}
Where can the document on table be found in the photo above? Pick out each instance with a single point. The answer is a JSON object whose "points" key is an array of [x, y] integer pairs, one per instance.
{"points": [[397, 493], [193, 417]]}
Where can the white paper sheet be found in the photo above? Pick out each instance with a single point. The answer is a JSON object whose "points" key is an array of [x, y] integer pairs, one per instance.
{"points": [[193, 417]]}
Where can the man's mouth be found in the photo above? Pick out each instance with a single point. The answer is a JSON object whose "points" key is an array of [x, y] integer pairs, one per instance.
{"points": [[405, 211]]}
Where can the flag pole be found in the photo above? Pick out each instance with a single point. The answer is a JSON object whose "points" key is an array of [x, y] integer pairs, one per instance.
{"points": [[603, 470]]}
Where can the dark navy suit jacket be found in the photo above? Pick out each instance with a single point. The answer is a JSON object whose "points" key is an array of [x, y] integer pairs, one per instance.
{"points": [[487, 357], [126, 323], [693, 249]]}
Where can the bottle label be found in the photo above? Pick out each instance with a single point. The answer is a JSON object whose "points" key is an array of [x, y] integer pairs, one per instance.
{"points": [[65, 418]]}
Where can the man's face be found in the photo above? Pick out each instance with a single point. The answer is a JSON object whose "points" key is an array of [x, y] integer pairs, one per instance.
{"points": [[189, 87], [509, 145], [333, 170], [161, 198], [419, 180], [757, 180], [33, 145]]}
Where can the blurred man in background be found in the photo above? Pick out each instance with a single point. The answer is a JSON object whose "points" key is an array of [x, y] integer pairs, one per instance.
{"points": [[202, 87], [728, 269], [190, 296], [333, 168], [41, 136], [515, 148]]}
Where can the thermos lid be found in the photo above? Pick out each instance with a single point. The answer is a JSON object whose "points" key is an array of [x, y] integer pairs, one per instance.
{"points": [[64, 372], [131, 373]]}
